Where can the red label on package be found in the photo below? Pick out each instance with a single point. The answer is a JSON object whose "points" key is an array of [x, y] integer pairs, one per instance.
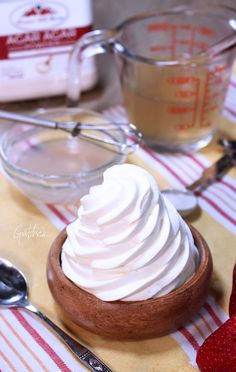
{"points": [[35, 40]]}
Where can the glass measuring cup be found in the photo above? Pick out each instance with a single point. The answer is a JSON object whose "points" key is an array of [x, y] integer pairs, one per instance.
{"points": [[174, 69]]}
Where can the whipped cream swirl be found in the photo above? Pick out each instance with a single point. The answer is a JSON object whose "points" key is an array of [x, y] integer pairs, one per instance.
{"points": [[129, 243]]}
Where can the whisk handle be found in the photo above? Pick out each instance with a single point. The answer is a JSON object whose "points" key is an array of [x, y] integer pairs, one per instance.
{"points": [[26, 119]]}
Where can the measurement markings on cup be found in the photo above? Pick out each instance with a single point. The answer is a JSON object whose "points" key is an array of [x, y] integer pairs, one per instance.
{"points": [[173, 29], [214, 90], [184, 95]]}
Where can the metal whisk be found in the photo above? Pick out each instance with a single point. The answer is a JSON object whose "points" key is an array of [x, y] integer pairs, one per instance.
{"points": [[131, 137]]}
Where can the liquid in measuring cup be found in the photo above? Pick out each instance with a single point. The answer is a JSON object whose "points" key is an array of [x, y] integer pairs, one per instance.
{"points": [[176, 107]]}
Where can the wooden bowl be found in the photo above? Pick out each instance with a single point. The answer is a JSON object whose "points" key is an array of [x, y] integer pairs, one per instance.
{"points": [[135, 320]]}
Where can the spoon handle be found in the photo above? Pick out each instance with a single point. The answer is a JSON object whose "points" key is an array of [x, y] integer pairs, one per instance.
{"points": [[85, 355], [212, 173]]}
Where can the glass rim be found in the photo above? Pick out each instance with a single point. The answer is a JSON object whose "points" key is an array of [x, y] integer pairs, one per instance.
{"points": [[20, 173], [193, 61]]}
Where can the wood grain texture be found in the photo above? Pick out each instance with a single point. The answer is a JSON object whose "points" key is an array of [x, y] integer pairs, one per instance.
{"points": [[135, 320]]}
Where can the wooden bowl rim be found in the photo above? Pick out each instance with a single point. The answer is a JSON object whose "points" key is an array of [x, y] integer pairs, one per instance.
{"points": [[205, 259]]}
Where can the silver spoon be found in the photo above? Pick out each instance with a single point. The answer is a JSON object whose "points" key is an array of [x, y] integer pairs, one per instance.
{"points": [[185, 201], [14, 293]]}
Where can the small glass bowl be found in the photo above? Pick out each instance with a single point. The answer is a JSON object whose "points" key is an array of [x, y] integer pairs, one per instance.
{"points": [[52, 166]]}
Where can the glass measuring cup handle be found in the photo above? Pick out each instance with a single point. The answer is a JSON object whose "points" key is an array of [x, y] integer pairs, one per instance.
{"points": [[90, 44]]}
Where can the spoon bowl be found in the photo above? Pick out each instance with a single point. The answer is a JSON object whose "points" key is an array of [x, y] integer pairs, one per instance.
{"points": [[13, 287], [184, 200]]}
